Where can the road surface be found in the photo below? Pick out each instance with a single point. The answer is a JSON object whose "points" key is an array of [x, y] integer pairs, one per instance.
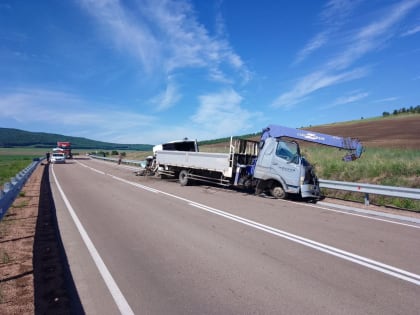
{"points": [[140, 245]]}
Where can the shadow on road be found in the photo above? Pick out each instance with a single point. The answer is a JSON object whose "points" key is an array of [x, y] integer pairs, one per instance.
{"points": [[54, 289]]}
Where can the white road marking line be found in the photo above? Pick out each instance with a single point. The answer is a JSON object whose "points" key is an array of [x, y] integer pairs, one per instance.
{"points": [[371, 217], [116, 293], [369, 263]]}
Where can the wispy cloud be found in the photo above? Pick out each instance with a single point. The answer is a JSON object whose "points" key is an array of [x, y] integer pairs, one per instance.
{"points": [[372, 36], [57, 110], [411, 31], [385, 100], [334, 14], [167, 98], [348, 99], [314, 82], [337, 70], [165, 36], [66, 113], [220, 114], [314, 44]]}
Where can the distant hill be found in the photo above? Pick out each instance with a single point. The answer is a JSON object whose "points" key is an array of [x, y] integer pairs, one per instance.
{"points": [[19, 138]]}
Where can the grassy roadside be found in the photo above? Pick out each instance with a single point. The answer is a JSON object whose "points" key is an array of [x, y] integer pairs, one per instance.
{"points": [[379, 166], [10, 165]]}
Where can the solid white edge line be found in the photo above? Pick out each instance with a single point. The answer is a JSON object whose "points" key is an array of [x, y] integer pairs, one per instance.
{"points": [[370, 216], [364, 261], [116, 293], [369, 263]]}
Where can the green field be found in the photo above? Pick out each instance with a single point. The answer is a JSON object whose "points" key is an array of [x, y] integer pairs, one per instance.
{"points": [[10, 165], [379, 166]]}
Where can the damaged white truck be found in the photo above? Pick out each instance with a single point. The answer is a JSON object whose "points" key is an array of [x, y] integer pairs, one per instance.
{"points": [[273, 165]]}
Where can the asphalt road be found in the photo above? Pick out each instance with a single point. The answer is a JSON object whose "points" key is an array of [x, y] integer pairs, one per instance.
{"points": [[140, 245]]}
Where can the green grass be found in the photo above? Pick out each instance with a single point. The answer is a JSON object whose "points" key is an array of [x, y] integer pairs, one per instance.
{"points": [[379, 166], [10, 165]]}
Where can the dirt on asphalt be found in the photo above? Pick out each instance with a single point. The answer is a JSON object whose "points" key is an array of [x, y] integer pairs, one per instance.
{"points": [[34, 275]]}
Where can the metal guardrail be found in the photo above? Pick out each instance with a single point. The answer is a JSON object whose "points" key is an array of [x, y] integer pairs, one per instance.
{"points": [[11, 189], [391, 191], [123, 161]]}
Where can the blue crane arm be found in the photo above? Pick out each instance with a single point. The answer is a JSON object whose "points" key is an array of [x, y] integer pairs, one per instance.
{"points": [[353, 145]]}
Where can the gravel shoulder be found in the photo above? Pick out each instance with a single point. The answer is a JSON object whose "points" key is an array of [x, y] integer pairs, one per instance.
{"points": [[34, 274]]}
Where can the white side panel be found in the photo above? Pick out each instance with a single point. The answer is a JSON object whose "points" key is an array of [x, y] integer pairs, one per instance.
{"points": [[218, 162]]}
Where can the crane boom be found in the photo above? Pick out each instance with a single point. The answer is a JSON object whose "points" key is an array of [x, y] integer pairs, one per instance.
{"points": [[354, 146]]}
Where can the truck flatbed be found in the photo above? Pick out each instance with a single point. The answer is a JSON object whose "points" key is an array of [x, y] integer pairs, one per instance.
{"points": [[216, 162]]}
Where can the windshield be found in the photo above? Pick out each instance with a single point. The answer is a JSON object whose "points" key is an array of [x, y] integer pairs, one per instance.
{"points": [[58, 154], [288, 151]]}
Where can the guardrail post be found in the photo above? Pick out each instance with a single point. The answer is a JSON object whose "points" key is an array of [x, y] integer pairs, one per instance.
{"points": [[6, 187], [366, 199]]}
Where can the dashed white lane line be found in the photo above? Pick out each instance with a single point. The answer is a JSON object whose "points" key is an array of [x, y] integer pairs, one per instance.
{"points": [[357, 259]]}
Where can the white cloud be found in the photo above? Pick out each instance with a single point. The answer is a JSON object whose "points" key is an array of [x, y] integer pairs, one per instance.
{"points": [[372, 36], [314, 44], [61, 111], [411, 31], [334, 15], [351, 98], [127, 33], [314, 82], [167, 98], [220, 114], [368, 39], [388, 99], [164, 36], [347, 99]]}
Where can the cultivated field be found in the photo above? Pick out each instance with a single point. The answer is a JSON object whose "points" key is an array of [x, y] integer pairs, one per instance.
{"points": [[393, 132], [392, 156]]}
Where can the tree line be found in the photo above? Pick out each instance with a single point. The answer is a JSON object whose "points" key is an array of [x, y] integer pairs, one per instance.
{"points": [[403, 110]]}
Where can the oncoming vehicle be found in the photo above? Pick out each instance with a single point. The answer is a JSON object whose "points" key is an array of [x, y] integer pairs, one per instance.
{"points": [[58, 157]]}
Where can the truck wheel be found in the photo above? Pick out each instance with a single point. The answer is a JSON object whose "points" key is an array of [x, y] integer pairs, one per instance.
{"points": [[278, 192], [183, 178]]}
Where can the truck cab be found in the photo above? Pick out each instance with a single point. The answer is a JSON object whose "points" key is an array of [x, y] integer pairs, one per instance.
{"points": [[280, 169]]}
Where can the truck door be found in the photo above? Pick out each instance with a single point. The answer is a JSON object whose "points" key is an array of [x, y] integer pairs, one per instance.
{"points": [[286, 163]]}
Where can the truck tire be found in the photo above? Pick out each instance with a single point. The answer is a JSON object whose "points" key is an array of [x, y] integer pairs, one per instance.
{"points": [[183, 178], [278, 192]]}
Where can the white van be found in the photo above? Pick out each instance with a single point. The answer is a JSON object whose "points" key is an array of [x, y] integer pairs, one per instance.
{"points": [[58, 157]]}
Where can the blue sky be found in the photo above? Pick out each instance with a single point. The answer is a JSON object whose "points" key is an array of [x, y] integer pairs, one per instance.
{"points": [[150, 71]]}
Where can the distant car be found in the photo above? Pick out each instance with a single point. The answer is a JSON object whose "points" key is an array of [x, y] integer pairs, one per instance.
{"points": [[58, 158]]}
